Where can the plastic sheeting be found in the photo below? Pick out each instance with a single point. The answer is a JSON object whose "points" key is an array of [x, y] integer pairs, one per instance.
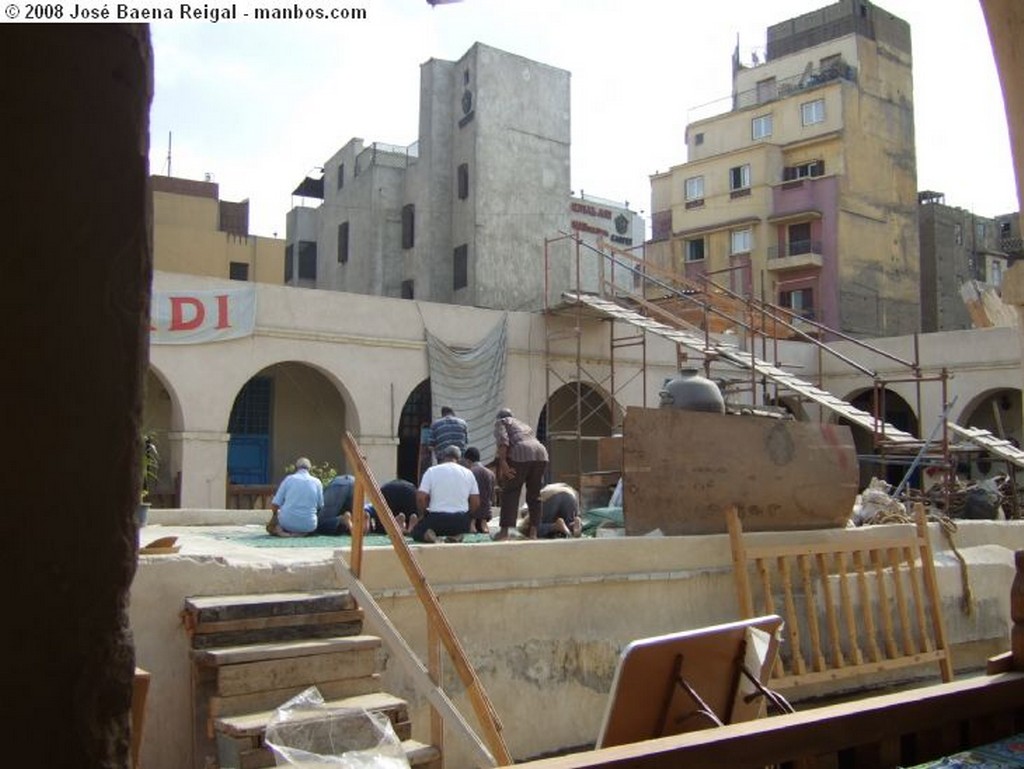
{"points": [[472, 382]]}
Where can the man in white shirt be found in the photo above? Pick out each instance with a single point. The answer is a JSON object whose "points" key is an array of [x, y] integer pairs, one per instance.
{"points": [[447, 496]]}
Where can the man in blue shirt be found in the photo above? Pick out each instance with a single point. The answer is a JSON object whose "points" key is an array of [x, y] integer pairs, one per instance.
{"points": [[296, 502], [447, 431]]}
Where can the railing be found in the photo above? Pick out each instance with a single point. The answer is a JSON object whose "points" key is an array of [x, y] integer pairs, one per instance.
{"points": [[439, 629], [782, 88], [794, 248], [389, 155]]}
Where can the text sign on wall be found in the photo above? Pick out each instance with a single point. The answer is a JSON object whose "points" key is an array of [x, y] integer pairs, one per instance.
{"points": [[195, 317]]}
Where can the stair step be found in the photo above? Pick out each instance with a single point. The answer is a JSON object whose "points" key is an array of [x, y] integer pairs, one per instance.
{"points": [[234, 655], [255, 724], [417, 753], [250, 702], [228, 620], [244, 670]]}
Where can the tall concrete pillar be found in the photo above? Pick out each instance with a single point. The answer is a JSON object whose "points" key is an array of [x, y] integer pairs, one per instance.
{"points": [[76, 273]]}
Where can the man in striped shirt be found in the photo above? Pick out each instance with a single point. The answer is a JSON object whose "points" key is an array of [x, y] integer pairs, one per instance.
{"points": [[447, 431]]}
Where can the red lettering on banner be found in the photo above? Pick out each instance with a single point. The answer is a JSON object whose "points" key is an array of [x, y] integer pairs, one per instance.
{"points": [[222, 312], [178, 322]]}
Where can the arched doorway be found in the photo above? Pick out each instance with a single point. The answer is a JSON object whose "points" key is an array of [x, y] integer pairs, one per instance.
{"points": [[899, 414], [416, 415], [160, 414], [999, 412], [575, 417], [284, 411]]}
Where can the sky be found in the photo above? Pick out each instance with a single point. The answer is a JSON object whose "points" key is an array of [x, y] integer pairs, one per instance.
{"points": [[259, 105]]}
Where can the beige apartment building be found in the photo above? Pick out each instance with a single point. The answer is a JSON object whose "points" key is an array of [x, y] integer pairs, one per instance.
{"points": [[801, 188], [197, 233]]}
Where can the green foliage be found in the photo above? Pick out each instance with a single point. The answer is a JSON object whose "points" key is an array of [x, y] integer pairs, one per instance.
{"points": [[324, 471]]}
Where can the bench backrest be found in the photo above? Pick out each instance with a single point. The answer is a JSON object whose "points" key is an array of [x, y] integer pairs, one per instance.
{"points": [[865, 602]]}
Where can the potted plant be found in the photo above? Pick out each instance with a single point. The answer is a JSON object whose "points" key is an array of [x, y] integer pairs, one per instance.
{"points": [[149, 464]]}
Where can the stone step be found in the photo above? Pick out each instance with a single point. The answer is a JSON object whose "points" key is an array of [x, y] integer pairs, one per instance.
{"points": [[240, 739], [244, 670], [417, 753], [231, 620]]}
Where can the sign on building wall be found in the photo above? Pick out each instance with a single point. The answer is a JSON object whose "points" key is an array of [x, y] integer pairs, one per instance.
{"points": [[195, 317]]}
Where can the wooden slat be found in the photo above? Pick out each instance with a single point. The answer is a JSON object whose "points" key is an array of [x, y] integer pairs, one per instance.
{"points": [[932, 589], [811, 608], [277, 674], [255, 724], [234, 655], [901, 601], [846, 600], [884, 612], [271, 698], [832, 623], [287, 620], [792, 627], [864, 595]]}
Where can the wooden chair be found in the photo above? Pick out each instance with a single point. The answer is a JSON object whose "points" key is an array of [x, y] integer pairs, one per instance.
{"points": [[862, 603]]}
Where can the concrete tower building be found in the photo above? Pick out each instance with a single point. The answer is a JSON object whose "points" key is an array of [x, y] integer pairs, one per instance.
{"points": [[461, 215], [801, 188]]}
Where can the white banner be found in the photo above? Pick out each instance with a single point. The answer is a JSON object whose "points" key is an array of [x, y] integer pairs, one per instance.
{"points": [[195, 317]]}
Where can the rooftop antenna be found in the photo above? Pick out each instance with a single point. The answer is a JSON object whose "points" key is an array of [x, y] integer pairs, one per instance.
{"points": [[168, 153]]}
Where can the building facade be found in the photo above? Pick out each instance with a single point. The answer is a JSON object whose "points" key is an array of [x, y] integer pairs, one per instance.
{"points": [[803, 192], [958, 248], [196, 232], [461, 215]]}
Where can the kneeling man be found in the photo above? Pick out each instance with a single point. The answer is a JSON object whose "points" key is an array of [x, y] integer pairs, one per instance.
{"points": [[447, 496]]}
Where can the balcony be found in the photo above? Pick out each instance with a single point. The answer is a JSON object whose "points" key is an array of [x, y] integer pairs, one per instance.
{"points": [[795, 255]]}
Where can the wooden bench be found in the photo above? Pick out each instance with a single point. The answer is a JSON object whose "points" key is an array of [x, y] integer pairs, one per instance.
{"points": [[862, 604]]}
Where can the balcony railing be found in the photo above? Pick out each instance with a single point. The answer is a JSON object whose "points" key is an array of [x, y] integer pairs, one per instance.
{"points": [[788, 86], [391, 155], [794, 248]]}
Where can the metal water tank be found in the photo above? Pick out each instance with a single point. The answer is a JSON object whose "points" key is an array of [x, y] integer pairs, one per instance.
{"points": [[690, 391]]}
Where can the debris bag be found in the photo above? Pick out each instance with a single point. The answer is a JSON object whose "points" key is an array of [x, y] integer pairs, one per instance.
{"points": [[876, 502], [305, 732]]}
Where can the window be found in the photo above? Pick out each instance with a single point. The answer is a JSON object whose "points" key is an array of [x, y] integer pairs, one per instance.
{"points": [[739, 241], [830, 64], [767, 90], [463, 180], [803, 170], [698, 138], [695, 188], [343, 243], [460, 267], [739, 177], [408, 225], [289, 255], [979, 232], [238, 271], [799, 239], [812, 112], [408, 289], [695, 250], [341, 175], [958, 234], [995, 272], [1004, 229], [800, 301], [761, 127], [307, 260]]}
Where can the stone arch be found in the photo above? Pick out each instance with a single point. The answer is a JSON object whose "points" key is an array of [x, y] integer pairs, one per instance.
{"points": [[285, 410], [897, 412], [161, 416], [999, 411], [597, 415], [410, 459]]}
